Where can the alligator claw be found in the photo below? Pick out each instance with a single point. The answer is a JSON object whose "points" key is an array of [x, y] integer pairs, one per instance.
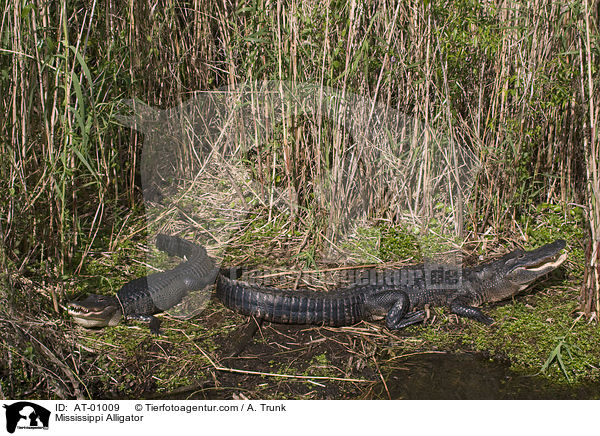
{"points": [[485, 319], [460, 308], [402, 291], [154, 325], [153, 322], [410, 319]]}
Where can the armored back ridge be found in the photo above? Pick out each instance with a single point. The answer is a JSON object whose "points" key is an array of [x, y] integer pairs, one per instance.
{"points": [[401, 303], [143, 297]]}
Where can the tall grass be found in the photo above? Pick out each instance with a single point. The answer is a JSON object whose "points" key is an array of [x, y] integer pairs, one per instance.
{"points": [[515, 82], [589, 51]]}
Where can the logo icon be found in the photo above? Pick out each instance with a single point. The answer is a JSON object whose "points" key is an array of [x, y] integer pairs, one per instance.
{"points": [[26, 415]]}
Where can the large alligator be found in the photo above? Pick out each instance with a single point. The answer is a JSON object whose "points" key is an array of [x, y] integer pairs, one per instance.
{"points": [[146, 296], [400, 296]]}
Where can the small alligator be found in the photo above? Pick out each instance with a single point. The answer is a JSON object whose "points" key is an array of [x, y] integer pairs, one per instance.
{"points": [[400, 297], [141, 298]]}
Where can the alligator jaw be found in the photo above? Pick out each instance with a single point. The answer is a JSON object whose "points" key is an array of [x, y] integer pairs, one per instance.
{"points": [[96, 311], [547, 266], [516, 271], [534, 264], [533, 272]]}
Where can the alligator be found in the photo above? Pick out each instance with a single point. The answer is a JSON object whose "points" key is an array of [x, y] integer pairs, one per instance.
{"points": [[146, 296], [401, 296]]}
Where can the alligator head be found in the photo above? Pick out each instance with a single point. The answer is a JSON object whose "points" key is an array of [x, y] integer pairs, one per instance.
{"points": [[515, 271], [96, 311]]}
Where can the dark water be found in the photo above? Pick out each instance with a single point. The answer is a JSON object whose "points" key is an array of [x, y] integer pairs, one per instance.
{"points": [[471, 377]]}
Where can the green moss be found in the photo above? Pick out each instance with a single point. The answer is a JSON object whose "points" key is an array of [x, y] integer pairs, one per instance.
{"points": [[393, 243], [365, 244], [321, 359], [320, 366], [259, 238], [529, 333], [526, 333], [385, 243], [279, 367], [398, 243], [133, 356], [538, 326]]}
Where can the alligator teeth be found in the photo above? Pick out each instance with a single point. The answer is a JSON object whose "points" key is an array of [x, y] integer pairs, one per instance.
{"points": [[78, 310], [552, 265]]}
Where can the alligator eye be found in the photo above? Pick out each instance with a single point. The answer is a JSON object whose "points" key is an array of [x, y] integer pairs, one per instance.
{"points": [[521, 256]]}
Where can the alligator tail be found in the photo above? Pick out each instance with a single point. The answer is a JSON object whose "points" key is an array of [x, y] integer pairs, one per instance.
{"points": [[291, 307], [175, 246], [160, 291], [198, 272]]}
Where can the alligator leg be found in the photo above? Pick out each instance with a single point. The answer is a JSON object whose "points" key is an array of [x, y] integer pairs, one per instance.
{"points": [[398, 316], [410, 319], [461, 308], [153, 322]]}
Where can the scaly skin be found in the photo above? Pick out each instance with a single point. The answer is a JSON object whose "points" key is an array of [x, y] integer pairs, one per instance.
{"points": [[143, 297], [400, 297]]}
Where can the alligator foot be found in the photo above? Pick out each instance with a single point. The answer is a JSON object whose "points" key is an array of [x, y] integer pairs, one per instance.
{"points": [[460, 308], [154, 325], [153, 322], [399, 309], [410, 319], [398, 316]]}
